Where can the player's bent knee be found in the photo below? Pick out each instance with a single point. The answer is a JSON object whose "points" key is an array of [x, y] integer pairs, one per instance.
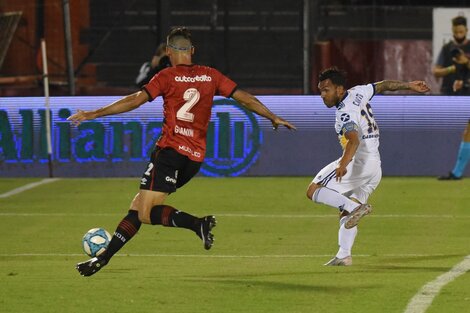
{"points": [[144, 216], [311, 190]]}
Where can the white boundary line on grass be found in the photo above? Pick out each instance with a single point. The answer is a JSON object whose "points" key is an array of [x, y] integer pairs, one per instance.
{"points": [[27, 187], [219, 256], [251, 215], [423, 299], [209, 256]]}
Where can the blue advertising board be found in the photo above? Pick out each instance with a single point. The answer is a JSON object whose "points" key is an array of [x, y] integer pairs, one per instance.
{"points": [[419, 136]]}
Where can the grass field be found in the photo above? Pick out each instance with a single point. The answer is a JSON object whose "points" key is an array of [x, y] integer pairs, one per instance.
{"points": [[270, 245]]}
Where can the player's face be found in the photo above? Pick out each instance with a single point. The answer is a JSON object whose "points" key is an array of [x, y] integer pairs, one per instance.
{"points": [[330, 93], [460, 33]]}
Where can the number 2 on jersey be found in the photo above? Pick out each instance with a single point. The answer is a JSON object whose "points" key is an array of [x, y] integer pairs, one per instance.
{"points": [[191, 96]]}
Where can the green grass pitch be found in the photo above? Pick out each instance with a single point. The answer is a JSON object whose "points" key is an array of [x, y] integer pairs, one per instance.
{"points": [[271, 243]]}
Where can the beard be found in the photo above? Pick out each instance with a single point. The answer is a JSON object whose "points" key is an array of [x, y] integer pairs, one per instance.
{"points": [[459, 40]]}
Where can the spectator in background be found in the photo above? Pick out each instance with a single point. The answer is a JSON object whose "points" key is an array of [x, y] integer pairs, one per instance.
{"points": [[462, 157], [453, 64], [449, 63], [159, 62]]}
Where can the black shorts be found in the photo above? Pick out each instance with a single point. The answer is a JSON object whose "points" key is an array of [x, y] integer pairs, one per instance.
{"points": [[168, 170]]}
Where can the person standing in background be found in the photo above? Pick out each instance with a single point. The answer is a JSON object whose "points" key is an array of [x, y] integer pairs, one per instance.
{"points": [[448, 65], [148, 70], [453, 65]]}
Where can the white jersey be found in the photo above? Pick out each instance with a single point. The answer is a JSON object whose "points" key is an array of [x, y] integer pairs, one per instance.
{"points": [[355, 113]]}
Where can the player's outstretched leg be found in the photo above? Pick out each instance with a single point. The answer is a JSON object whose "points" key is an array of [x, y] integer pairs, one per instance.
{"points": [[358, 213], [126, 229], [91, 266], [204, 231]]}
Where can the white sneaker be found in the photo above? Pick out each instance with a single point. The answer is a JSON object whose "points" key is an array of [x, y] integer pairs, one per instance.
{"points": [[353, 218], [347, 261]]}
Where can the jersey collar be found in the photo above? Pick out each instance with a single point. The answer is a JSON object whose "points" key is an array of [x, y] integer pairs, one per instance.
{"points": [[344, 97]]}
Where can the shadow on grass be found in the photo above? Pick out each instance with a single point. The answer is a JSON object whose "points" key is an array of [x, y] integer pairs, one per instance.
{"points": [[425, 257], [285, 286], [404, 263]]}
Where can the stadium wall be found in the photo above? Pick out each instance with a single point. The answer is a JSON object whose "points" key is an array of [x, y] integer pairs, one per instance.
{"points": [[420, 136]]}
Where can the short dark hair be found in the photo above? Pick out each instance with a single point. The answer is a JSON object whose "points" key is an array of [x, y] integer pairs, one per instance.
{"points": [[459, 20], [337, 76], [179, 32]]}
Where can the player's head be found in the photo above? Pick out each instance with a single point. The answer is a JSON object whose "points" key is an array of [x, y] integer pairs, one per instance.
{"points": [[331, 84], [459, 29], [179, 41]]}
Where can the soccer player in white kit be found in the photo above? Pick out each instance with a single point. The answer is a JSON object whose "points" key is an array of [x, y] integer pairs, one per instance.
{"points": [[348, 182]]}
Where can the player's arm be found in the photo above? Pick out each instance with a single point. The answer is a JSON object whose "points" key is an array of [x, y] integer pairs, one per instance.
{"points": [[394, 85], [253, 104], [440, 71], [125, 104], [348, 154]]}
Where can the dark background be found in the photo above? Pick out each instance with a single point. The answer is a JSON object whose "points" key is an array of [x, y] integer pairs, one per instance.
{"points": [[259, 44]]}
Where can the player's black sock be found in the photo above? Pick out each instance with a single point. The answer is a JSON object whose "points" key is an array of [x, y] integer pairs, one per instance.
{"points": [[168, 216], [124, 232]]}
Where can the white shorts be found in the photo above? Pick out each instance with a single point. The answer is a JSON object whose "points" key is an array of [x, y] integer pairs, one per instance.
{"points": [[361, 179]]}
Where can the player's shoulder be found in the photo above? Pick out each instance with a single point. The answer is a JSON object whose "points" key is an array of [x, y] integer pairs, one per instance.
{"points": [[356, 96], [166, 72], [361, 89], [466, 46], [450, 45], [202, 68], [205, 70]]}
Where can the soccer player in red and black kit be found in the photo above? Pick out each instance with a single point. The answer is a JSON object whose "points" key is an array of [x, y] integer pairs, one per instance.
{"points": [[187, 90]]}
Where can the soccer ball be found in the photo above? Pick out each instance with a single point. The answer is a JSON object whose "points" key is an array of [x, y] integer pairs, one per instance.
{"points": [[95, 241]]}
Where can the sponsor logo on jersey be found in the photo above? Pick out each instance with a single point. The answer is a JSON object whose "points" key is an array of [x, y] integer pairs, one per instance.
{"points": [[170, 179], [189, 150], [370, 136], [188, 132], [186, 79], [344, 117]]}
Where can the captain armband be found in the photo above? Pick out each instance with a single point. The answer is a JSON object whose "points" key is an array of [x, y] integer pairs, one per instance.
{"points": [[349, 126]]}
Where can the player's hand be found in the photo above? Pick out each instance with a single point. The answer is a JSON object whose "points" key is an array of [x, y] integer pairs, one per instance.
{"points": [[340, 172], [419, 86], [81, 116], [461, 58], [280, 121]]}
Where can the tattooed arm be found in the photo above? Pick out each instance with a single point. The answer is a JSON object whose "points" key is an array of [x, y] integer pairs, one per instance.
{"points": [[393, 85]]}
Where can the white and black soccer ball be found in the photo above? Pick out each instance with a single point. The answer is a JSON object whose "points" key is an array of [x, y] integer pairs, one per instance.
{"points": [[95, 241]]}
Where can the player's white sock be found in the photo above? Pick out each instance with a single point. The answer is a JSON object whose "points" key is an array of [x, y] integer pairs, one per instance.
{"points": [[333, 198], [346, 239]]}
